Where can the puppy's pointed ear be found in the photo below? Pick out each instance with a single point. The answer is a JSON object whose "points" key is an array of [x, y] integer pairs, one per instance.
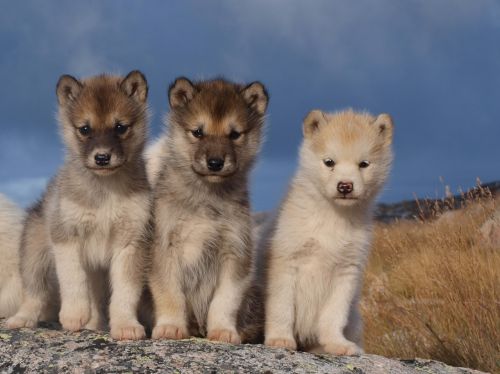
{"points": [[312, 122], [68, 88], [256, 96], [180, 92], [385, 127], [135, 86]]}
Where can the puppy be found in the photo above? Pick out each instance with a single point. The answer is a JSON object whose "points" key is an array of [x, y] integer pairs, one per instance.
{"points": [[202, 253], [11, 225], [319, 245], [91, 223]]}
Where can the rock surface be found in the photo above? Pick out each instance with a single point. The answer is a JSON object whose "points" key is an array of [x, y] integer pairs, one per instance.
{"points": [[48, 349]]}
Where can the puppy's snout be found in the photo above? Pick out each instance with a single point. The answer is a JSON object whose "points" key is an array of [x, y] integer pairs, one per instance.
{"points": [[102, 159], [215, 164], [345, 187]]}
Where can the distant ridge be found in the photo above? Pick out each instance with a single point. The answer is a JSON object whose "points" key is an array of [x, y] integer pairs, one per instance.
{"points": [[425, 208]]}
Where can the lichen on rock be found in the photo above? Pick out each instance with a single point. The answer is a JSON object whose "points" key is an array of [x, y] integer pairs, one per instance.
{"points": [[49, 349]]}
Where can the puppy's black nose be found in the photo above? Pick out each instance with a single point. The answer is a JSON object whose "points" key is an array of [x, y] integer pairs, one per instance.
{"points": [[102, 159], [345, 187], [215, 164]]}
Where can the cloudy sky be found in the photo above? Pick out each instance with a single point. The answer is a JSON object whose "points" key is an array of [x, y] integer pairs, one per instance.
{"points": [[434, 65]]}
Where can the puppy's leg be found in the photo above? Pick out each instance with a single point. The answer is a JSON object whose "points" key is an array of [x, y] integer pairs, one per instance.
{"points": [[354, 329], [233, 281], [168, 298], [99, 287], [38, 282], [11, 296], [74, 286], [280, 307], [126, 275], [29, 312], [334, 315]]}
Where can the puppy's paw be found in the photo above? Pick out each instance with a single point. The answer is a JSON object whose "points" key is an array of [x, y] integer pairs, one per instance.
{"points": [[131, 330], [286, 343], [74, 319], [95, 324], [18, 322], [167, 331], [344, 348], [225, 336]]}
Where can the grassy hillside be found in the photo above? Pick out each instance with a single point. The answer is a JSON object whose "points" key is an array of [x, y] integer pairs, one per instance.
{"points": [[432, 289]]}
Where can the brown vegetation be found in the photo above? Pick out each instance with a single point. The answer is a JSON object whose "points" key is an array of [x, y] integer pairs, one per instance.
{"points": [[432, 289]]}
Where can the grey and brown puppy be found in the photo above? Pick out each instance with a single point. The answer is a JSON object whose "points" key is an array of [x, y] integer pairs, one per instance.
{"points": [[89, 228], [202, 253]]}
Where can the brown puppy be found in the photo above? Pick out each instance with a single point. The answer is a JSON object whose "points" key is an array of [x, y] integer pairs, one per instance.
{"points": [[202, 252], [91, 222]]}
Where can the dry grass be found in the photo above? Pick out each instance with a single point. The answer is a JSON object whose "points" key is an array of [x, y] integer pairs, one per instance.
{"points": [[432, 290]]}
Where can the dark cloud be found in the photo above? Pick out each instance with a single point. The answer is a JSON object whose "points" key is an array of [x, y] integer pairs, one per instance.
{"points": [[432, 65]]}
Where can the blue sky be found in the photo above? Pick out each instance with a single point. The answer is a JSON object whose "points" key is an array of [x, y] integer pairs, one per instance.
{"points": [[434, 65]]}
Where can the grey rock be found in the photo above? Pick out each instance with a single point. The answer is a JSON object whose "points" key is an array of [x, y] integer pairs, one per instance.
{"points": [[48, 349]]}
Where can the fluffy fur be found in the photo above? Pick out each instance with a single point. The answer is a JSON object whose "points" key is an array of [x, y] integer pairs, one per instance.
{"points": [[153, 156], [89, 228], [320, 243], [11, 224], [202, 253]]}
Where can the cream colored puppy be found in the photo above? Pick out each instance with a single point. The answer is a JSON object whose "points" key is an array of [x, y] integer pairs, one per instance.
{"points": [[318, 249], [11, 225]]}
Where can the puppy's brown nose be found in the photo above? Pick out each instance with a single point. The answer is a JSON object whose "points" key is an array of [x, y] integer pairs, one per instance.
{"points": [[345, 187]]}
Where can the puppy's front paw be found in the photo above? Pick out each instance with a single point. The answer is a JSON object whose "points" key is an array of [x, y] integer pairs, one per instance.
{"points": [[131, 330], [18, 322], [225, 336], [345, 348], [95, 324], [167, 331], [74, 319], [286, 343]]}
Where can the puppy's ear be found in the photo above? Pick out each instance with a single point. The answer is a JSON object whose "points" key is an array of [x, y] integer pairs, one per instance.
{"points": [[312, 122], [135, 86], [256, 96], [68, 88], [180, 92], [385, 127]]}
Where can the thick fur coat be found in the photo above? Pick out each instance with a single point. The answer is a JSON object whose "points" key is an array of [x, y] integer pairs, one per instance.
{"points": [[84, 251], [318, 248], [202, 253], [11, 225]]}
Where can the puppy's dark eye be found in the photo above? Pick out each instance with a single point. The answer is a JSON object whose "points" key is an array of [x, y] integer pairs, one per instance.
{"points": [[85, 130], [364, 164], [198, 133], [120, 128], [329, 162], [233, 135]]}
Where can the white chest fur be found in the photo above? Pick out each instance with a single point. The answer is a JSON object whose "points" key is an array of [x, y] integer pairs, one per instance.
{"points": [[101, 229]]}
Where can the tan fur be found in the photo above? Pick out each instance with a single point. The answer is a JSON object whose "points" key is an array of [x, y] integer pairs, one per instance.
{"points": [[11, 224], [202, 252], [154, 161], [318, 248], [89, 229]]}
